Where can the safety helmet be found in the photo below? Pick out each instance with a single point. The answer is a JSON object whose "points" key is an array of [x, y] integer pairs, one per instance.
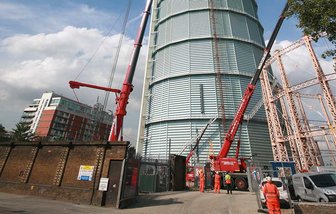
{"points": [[268, 179]]}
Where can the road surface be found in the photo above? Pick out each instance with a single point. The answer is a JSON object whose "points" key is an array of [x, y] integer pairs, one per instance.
{"points": [[184, 202]]}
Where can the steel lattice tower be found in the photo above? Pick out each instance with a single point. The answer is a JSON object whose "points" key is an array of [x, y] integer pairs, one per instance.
{"points": [[299, 134]]}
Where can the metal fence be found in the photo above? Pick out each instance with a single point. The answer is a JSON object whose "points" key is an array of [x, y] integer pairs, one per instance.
{"points": [[130, 179], [154, 175], [256, 177]]}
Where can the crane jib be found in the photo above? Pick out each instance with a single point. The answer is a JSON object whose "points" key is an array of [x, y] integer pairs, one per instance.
{"points": [[250, 89], [120, 111]]}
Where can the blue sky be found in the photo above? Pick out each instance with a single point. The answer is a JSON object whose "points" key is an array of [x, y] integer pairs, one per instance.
{"points": [[23, 19], [44, 44]]}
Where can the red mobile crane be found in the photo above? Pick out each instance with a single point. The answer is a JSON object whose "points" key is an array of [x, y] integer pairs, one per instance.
{"points": [[122, 95], [190, 175], [235, 165]]}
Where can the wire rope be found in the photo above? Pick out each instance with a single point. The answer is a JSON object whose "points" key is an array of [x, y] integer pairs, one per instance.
{"points": [[116, 58], [98, 48]]}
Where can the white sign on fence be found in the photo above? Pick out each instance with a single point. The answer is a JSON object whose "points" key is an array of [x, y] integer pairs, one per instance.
{"points": [[103, 184]]}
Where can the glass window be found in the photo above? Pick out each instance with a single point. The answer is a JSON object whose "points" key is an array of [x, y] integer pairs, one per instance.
{"points": [[324, 180], [55, 101], [307, 182]]}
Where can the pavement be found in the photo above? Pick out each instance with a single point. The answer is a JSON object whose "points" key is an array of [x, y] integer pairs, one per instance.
{"points": [[182, 202]]}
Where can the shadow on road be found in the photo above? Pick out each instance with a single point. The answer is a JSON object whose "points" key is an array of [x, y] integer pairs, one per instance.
{"points": [[153, 200]]}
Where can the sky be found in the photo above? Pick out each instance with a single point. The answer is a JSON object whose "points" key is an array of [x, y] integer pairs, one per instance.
{"points": [[45, 44]]}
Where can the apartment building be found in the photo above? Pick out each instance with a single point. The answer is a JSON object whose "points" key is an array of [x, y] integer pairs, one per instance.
{"points": [[57, 117]]}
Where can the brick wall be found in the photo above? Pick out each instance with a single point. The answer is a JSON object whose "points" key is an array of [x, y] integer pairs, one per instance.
{"points": [[51, 170], [313, 208], [44, 167]]}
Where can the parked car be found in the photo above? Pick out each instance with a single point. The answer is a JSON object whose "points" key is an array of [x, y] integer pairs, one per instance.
{"points": [[315, 186], [282, 191]]}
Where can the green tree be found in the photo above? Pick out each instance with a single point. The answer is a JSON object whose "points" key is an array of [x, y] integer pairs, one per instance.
{"points": [[4, 135], [316, 17], [21, 132], [131, 153]]}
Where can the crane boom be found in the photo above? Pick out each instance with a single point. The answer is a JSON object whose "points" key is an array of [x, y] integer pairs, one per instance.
{"points": [[75, 84], [127, 87], [197, 140], [122, 95], [249, 90]]}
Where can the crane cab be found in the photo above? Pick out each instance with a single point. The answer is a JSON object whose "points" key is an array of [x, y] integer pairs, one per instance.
{"points": [[228, 164]]}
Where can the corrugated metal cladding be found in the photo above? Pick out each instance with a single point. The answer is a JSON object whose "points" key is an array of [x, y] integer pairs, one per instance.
{"points": [[180, 94]]}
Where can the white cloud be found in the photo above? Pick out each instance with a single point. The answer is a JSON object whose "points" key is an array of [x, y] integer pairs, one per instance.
{"points": [[34, 18], [10, 11], [299, 68], [298, 63], [45, 62], [86, 9], [4, 95]]}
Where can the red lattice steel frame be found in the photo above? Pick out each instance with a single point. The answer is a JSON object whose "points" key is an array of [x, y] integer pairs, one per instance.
{"points": [[304, 149]]}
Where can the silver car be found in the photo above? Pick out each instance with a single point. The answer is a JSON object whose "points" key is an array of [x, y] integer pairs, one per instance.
{"points": [[281, 187]]}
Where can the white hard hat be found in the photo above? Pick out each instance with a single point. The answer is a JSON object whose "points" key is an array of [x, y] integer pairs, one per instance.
{"points": [[268, 178]]}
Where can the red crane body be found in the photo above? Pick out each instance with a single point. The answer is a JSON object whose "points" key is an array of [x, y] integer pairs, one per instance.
{"points": [[234, 164], [122, 96]]}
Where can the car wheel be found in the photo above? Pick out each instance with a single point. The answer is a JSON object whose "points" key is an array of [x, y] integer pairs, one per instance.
{"points": [[323, 200]]}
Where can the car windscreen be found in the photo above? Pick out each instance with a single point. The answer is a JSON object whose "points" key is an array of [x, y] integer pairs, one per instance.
{"points": [[324, 180], [277, 183]]}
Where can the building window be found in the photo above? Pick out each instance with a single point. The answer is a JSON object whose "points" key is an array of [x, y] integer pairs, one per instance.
{"points": [[202, 98], [55, 101]]}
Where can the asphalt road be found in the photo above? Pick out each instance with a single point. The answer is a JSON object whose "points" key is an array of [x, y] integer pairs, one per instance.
{"points": [[159, 203]]}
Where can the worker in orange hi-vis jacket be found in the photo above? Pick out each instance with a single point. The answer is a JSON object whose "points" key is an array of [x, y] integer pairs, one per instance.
{"points": [[217, 182], [271, 194], [201, 180]]}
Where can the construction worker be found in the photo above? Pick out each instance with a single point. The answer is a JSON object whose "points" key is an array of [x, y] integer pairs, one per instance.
{"points": [[272, 195], [217, 182], [228, 183], [201, 180]]}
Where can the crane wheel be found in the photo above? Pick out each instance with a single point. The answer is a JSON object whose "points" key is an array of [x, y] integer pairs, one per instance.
{"points": [[241, 183]]}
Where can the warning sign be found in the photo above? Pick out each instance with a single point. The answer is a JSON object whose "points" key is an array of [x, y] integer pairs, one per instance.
{"points": [[85, 173], [103, 184]]}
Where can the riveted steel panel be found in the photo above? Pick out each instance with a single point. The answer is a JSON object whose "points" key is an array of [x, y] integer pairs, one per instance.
{"points": [[184, 90]]}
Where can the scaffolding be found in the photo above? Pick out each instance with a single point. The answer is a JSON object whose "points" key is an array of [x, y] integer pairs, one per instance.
{"points": [[289, 125], [217, 65]]}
